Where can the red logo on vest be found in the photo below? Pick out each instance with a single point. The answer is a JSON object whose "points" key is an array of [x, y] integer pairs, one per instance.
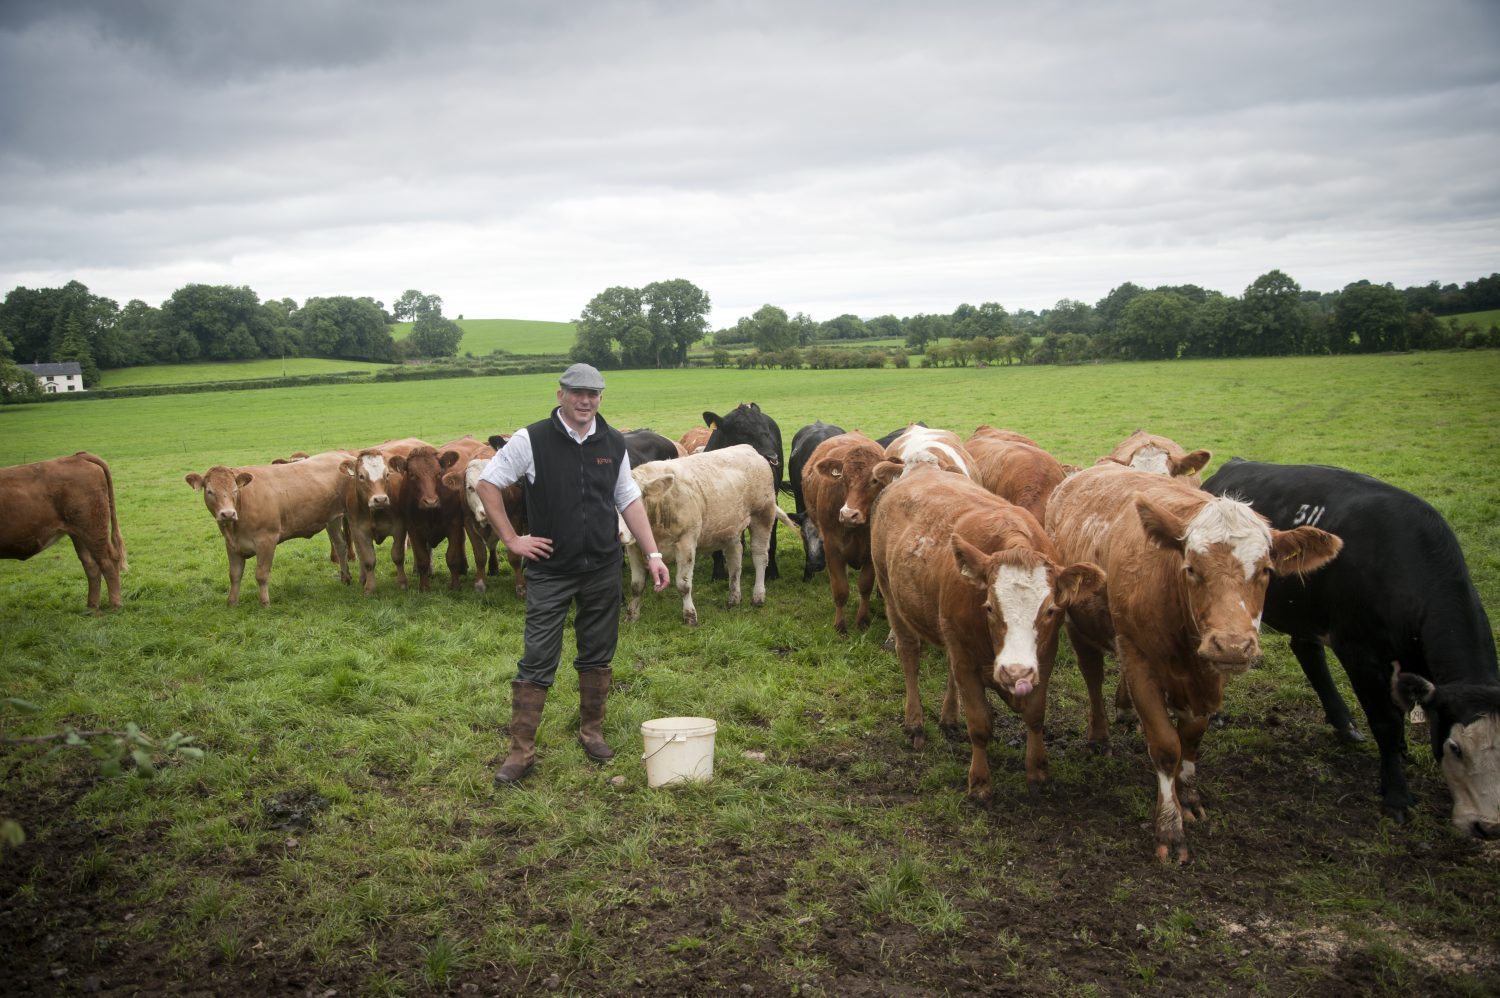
{"points": [[604, 460]]}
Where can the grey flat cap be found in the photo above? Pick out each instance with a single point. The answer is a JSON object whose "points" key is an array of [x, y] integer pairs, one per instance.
{"points": [[582, 376]]}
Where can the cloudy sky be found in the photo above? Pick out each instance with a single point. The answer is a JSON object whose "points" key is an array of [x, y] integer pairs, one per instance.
{"points": [[517, 158]]}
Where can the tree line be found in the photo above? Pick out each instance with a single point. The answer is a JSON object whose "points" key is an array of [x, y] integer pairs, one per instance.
{"points": [[205, 322]]}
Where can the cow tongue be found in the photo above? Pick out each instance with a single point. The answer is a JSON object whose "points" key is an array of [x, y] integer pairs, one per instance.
{"points": [[1023, 687]]}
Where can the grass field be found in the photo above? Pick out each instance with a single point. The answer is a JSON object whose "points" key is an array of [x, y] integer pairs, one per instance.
{"points": [[237, 370], [520, 336], [342, 832]]}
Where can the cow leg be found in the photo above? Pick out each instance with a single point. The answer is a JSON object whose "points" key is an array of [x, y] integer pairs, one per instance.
{"points": [[909, 652], [482, 554], [838, 581], [1371, 679], [518, 570], [457, 557], [948, 722], [338, 542], [1033, 710], [236, 571], [866, 585], [734, 558], [772, 572], [1091, 667], [637, 583], [687, 557], [1165, 752], [421, 553], [93, 572], [965, 675], [758, 564], [1315, 667], [364, 552], [265, 553], [720, 572], [1190, 729], [398, 553]]}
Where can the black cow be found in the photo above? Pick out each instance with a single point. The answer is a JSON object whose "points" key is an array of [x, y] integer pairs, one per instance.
{"points": [[746, 424], [645, 446], [886, 440], [1397, 597], [804, 441]]}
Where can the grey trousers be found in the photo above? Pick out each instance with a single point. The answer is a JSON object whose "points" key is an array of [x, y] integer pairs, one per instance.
{"points": [[596, 624]]}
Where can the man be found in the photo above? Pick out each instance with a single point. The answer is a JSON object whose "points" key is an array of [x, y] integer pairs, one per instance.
{"points": [[578, 479]]}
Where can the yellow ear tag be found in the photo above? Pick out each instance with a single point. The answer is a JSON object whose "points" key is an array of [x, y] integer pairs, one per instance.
{"points": [[713, 426]]}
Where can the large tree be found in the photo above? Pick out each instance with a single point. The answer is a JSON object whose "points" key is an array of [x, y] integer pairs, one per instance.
{"points": [[773, 330], [16, 385], [342, 326], [1273, 319], [35, 320], [1369, 318], [613, 315], [226, 322], [413, 305], [677, 314], [1155, 325], [435, 336]]}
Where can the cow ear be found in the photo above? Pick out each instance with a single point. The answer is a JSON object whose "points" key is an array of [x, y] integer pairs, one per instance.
{"points": [[832, 467], [711, 420], [973, 564], [1163, 528], [1076, 583], [1190, 464], [1302, 550], [448, 458], [282, 460], [1410, 690], [659, 484], [887, 471], [243, 478], [397, 464], [453, 480], [195, 480], [347, 468], [1109, 459]]}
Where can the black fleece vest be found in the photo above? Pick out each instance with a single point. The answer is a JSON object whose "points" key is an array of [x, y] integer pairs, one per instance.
{"points": [[572, 500]]}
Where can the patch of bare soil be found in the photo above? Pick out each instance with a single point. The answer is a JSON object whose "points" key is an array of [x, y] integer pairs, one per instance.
{"points": [[1077, 903]]}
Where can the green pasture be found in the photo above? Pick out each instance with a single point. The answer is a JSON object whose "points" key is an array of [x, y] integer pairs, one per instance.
{"points": [[517, 336], [411, 875], [234, 370]]}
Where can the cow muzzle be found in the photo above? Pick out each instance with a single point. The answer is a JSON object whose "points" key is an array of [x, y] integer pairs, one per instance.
{"points": [[229, 515], [1018, 679], [1479, 828], [431, 503], [852, 517], [1229, 651], [380, 502]]}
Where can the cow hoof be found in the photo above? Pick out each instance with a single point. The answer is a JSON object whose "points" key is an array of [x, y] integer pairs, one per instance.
{"points": [[890, 643], [761, 601], [953, 731], [1395, 812], [979, 795], [1099, 748], [690, 619], [1348, 736], [1164, 853]]}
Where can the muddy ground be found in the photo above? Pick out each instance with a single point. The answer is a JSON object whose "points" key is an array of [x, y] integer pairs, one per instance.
{"points": [[1089, 911]]}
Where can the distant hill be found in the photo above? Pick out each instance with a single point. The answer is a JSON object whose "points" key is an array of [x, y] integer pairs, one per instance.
{"points": [[518, 336]]}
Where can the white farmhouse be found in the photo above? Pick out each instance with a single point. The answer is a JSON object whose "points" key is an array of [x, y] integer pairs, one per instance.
{"points": [[54, 378]]}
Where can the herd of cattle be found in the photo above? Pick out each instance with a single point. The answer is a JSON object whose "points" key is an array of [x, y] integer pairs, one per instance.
{"points": [[986, 547]]}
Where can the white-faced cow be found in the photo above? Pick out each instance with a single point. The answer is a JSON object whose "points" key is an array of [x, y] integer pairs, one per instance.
{"points": [[75, 495], [1148, 452], [258, 507], [478, 519], [962, 569], [1015, 468], [924, 445], [1187, 580], [704, 501], [839, 487], [804, 442], [1399, 595], [746, 424]]}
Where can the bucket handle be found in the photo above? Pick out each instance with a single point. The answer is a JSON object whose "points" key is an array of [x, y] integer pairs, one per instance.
{"points": [[676, 736]]}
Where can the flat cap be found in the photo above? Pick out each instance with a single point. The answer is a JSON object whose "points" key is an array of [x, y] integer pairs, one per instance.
{"points": [[582, 376]]}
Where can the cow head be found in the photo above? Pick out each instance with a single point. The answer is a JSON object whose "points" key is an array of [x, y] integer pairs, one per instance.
{"points": [[423, 472], [1159, 455], [221, 491], [1025, 595], [465, 480], [372, 478], [1464, 720], [1228, 554], [746, 424], [854, 468]]}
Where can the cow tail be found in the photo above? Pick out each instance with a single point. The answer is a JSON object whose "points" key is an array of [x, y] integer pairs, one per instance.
{"points": [[116, 541]]}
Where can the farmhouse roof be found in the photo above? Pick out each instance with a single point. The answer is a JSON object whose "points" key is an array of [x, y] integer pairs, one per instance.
{"points": [[55, 370]]}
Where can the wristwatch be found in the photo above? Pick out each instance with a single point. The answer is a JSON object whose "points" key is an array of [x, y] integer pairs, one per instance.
{"points": [[654, 554]]}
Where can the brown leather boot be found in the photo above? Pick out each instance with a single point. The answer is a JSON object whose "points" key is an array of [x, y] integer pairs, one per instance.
{"points": [[593, 687], [526, 702]]}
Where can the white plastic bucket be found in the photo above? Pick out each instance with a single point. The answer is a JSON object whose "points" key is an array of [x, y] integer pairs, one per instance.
{"points": [[678, 749]]}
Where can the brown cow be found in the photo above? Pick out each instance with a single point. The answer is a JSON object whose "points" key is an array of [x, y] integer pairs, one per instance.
{"points": [[477, 520], [1187, 581], [371, 513], [695, 440], [258, 507], [1162, 455], [839, 488], [430, 512], [1015, 468], [65, 495], [962, 569]]}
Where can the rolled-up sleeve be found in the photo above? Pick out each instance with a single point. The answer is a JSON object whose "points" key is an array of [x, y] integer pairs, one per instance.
{"points": [[626, 491], [512, 463]]}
